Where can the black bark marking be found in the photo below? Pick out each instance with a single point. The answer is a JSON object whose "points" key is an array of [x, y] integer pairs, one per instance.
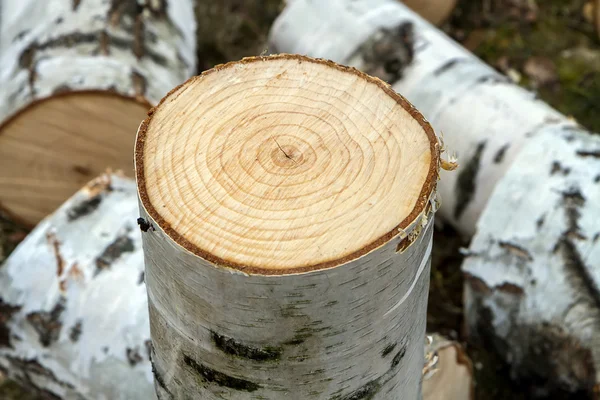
{"points": [[60, 90], [499, 157], [133, 356], [572, 201], [596, 237], [145, 226], [388, 52], [47, 324], [6, 313], [141, 278], [76, 4], [496, 78], [465, 185], [75, 332], [597, 179], [31, 366], [557, 167], [576, 271], [517, 250], [234, 348], [589, 153], [365, 392], [21, 35], [388, 349], [298, 339], [122, 244], [219, 378], [84, 208], [448, 65], [398, 357], [540, 221]]}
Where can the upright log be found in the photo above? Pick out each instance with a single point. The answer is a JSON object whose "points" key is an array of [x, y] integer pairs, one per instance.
{"points": [[287, 210], [77, 77], [533, 283]]}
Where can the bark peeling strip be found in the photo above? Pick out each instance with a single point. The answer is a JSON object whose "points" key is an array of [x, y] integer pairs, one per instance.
{"points": [[122, 244], [84, 208], [210, 375], [232, 347], [465, 187]]}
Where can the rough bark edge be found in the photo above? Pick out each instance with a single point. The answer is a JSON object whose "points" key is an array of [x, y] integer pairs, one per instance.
{"points": [[427, 192]]}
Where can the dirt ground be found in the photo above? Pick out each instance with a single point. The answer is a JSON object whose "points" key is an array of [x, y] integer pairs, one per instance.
{"points": [[549, 46]]}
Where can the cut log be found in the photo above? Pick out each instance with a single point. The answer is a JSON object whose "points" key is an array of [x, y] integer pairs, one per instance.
{"points": [[287, 207], [77, 78], [482, 115], [73, 309], [532, 269]]}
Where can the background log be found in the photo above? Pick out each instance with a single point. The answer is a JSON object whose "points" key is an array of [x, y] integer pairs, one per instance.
{"points": [[73, 300], [532, 270], [542, 209], [77, 77], [287, 233], [481, 114]]}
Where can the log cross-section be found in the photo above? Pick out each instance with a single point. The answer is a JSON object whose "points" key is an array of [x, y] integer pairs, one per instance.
{"points": [[291, 204]]}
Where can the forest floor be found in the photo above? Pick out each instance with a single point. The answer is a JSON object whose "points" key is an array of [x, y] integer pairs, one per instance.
{"points": [[548, 46]]}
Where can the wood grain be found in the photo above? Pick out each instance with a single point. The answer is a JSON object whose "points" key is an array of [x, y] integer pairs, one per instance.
{"points": [[284, 164], [51, 149]]}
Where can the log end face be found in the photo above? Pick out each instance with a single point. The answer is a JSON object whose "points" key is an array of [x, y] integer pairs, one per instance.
{"points": [[285, 164]]}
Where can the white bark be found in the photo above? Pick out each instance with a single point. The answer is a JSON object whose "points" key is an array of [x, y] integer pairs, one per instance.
{"points": [[482, 116], [532, 270], [350, 330], [73, 308], [139, 49]]}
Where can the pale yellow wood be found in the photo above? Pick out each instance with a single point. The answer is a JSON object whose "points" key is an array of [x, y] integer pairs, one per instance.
{"points": [[53, 147], [284, 163]]}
